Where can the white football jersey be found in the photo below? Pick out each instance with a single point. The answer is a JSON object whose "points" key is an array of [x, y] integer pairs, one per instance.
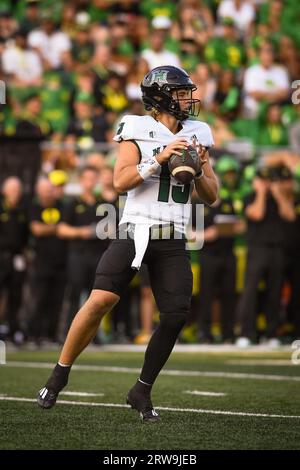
{"points": [[159, 199]]}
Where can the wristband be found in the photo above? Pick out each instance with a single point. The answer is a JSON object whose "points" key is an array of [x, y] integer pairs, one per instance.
{"points": [[148, 168]]}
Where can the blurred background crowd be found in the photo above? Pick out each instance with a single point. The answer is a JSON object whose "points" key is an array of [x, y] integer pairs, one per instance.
{"points": [[69, 70]]}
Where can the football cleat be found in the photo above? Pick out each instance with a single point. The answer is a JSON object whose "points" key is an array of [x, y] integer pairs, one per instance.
{"points": [[142, 403], [58, 379], [46, 398]]}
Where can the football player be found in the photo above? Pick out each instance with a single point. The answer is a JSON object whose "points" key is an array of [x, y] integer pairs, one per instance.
{"points": [[155, 212]]}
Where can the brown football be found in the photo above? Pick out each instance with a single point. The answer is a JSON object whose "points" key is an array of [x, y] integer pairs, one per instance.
{"points": [[185, 166]]}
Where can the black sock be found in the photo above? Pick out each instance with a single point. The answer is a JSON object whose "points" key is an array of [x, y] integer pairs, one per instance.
{"points": [[59, 378], [161, 345]]}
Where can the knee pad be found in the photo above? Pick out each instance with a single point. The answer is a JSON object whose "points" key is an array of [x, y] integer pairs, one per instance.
{"points": [[173, 320]]}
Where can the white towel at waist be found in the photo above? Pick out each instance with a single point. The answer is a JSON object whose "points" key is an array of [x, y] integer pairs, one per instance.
{"points": [[141, 240]]}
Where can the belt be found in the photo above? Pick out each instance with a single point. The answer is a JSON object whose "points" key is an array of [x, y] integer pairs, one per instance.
{"points": [[157, 232]]}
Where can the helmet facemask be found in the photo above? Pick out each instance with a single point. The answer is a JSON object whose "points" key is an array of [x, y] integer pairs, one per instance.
{"points": [[193, 108]]}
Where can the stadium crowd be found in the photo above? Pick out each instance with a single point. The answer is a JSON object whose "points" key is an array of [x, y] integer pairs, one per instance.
{"points": [[71, 69]]}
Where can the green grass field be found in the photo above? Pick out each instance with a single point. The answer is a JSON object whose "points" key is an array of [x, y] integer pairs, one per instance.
{"points": [[259, 407]]}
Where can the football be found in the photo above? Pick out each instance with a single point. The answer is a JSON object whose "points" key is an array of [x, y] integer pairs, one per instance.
{"points": [[185, 166]]}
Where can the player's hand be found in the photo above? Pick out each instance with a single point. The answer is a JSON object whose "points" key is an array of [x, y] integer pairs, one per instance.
{"points": [[175, 147], [201, 150]]}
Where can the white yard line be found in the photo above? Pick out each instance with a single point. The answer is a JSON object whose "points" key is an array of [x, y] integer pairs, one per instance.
{"points": [[162, 408], [170, 372], [82, 394], [195, 348], [205, 394], [258, 362]]}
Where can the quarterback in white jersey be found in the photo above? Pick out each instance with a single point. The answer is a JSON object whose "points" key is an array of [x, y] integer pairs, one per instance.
{"points": [[157, 200], [141, 170]]}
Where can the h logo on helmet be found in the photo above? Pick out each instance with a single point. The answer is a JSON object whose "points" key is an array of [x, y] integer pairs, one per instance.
{"points": [[159, 76]]}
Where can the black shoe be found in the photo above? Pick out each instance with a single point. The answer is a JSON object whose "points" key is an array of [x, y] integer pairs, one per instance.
{"points": [[46, 398], [142, 403], [57, 381]]}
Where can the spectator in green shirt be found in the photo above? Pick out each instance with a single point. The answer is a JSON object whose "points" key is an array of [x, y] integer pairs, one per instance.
{"points": [[195, 22], [99, 10], [272, 131], [31, 122], [282, 17], [56, 96], [189, 54], [101, 64], [82, 47], [114, 99], [294, 132], [227, 97], [121, 47], [152, 8], [225, 52], [31, 18], [7, 120], [68, 22]]}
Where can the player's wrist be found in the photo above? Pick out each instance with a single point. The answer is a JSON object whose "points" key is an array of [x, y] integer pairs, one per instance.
{"points": [[148, 168], [162, 158]]}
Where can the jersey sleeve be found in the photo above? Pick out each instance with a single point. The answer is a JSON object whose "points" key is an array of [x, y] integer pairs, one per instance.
{"points": [[125, 129], [208, 140], [203, 133]]}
